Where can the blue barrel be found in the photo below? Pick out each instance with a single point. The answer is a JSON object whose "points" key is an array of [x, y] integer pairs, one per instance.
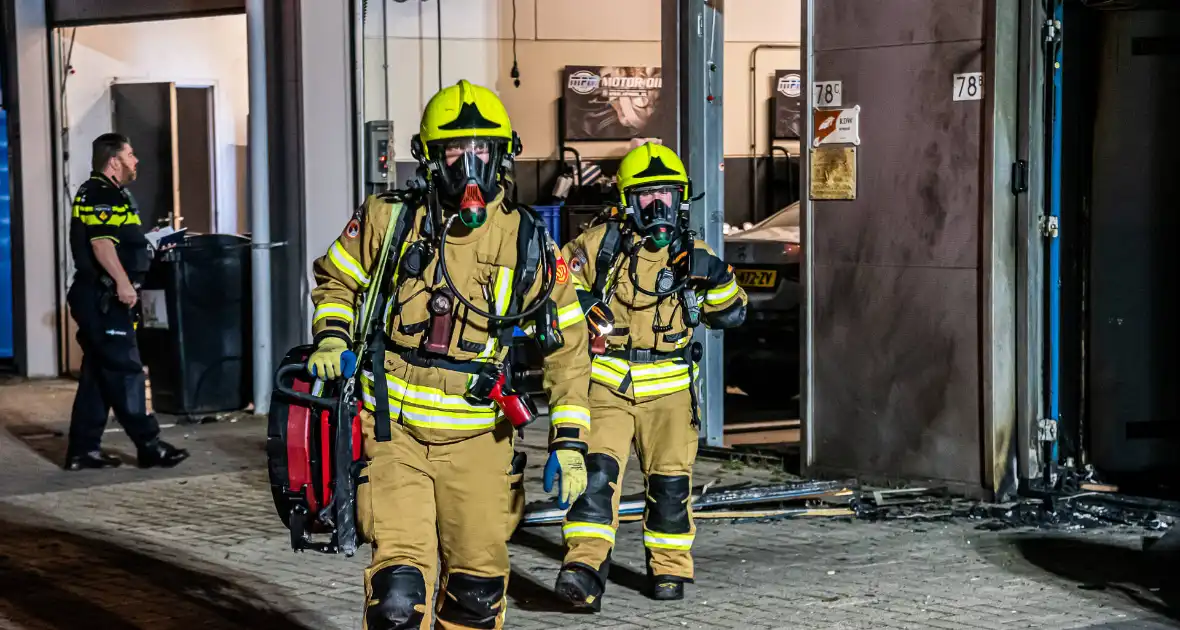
{"points": [[552, 217]]}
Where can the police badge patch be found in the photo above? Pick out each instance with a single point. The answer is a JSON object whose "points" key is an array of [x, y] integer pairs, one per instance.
{"points": [[103, 212]]}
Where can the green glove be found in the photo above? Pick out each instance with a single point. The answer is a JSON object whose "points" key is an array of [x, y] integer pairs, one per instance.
{"points": [[571, 467], [325, 361]]}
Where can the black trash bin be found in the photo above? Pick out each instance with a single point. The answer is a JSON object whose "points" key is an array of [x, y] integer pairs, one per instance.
{"points": [[195, 323]]}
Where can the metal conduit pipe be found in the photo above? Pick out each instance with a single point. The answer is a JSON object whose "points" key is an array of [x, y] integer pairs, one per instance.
{"points": [[753, 120], [390, 166], [259, 205], [360, 14]]}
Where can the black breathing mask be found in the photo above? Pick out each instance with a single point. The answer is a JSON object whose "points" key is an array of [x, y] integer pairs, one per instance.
{"points": [[466, 172], [657, 220]]}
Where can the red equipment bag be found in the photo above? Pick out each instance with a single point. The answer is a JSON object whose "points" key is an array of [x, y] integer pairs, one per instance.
{"points": [[303, 440]]}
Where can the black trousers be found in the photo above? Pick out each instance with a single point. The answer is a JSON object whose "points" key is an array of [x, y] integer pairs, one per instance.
{"points": [[112, 372]]}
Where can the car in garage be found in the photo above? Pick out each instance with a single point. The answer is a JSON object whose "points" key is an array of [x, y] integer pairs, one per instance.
{"points": [[762, 356]]}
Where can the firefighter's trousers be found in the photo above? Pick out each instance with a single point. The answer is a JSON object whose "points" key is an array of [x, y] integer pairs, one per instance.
{"points": [[666, 443], [417, 500]]}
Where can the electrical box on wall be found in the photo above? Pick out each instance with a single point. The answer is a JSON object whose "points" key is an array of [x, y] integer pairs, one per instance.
{"points": [[378, 137]]}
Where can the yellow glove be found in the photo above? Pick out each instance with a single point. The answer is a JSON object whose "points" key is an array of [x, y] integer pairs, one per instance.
{"points": [[325, 361], [571, 466]]}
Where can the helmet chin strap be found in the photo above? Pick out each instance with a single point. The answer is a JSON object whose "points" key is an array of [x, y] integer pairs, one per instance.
{"points": [[473, 211]]}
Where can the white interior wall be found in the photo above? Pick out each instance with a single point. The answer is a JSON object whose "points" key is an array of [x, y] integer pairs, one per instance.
{"points": [[190, 52], [477, 46]]}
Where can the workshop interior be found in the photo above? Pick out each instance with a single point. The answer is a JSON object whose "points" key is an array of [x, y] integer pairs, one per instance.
{"points": [[869, 348]]}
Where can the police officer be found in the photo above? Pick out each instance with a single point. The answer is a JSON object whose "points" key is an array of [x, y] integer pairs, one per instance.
{"points": [[110, 257], [438, 451], [644, 286]]}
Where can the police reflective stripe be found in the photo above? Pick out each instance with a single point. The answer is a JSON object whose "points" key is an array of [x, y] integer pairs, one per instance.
{"points": [[570, 315], [337, 311], [721, 294], [429, 407], [588, 530], [108, 215], [502, 290], [570, 414], [347, 264], [667, 541]]}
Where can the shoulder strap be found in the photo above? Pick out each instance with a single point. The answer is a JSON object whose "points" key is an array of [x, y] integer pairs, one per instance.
{"points": [[608, 252], [528, 259], [528, 255], [369, 338], [398, 227]]}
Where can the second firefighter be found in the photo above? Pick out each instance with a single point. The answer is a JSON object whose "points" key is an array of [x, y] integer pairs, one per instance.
{"points": [[644, 284]]}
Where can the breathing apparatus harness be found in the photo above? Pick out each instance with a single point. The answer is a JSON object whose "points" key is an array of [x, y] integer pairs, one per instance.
{"points": [[619, 245], [488, 381]]}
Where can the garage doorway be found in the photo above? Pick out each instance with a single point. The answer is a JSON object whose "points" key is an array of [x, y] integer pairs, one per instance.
{"points": [[172, 129]]}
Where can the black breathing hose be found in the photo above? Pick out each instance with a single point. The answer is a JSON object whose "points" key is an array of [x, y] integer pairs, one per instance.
{"points": [[634, 271], [548, 266]]}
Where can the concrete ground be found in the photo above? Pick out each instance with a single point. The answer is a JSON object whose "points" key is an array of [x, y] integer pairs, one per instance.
{"points": [[200, 546]]}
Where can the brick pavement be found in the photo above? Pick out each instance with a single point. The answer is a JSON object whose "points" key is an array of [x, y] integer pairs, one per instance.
{"points": [[202, 547]]}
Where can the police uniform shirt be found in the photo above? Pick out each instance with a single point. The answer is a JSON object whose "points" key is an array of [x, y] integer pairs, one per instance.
{"points": [[106, 210]]}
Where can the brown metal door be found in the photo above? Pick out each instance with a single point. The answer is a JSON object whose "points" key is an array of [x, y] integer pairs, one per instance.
{"points": [[146, 114]]}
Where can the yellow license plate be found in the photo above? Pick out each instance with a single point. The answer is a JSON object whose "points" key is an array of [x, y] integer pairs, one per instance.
{"points": [[756, 278]]}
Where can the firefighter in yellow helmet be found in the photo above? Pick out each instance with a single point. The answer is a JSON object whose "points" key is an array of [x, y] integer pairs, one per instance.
{"points": [[644, 284], [438, 431]]}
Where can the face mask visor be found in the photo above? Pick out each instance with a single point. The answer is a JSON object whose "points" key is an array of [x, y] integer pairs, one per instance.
{"points": [[654, 211], [466, 162]]}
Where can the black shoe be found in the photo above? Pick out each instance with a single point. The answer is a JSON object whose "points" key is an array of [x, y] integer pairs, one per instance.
{"points": [[579, 587], [93, 459], [667, 588], [160, 453]]}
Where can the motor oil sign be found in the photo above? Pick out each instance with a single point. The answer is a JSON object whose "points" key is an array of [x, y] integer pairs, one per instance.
{"points": [[837, 126], [788, 104]]}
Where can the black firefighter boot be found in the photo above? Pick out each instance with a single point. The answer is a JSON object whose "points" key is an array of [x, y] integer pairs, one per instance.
{"points": [[580, 587], [667, 588], [160, 453]]}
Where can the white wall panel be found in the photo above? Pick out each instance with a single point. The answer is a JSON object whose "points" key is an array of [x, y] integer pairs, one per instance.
{"points": [[461, 19], [763, 21], [737, 95], [599, 20]]}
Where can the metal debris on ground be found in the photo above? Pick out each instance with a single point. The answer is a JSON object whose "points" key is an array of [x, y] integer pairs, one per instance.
{"points": [[1084, 510], [762, 502], [750, 502]]}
